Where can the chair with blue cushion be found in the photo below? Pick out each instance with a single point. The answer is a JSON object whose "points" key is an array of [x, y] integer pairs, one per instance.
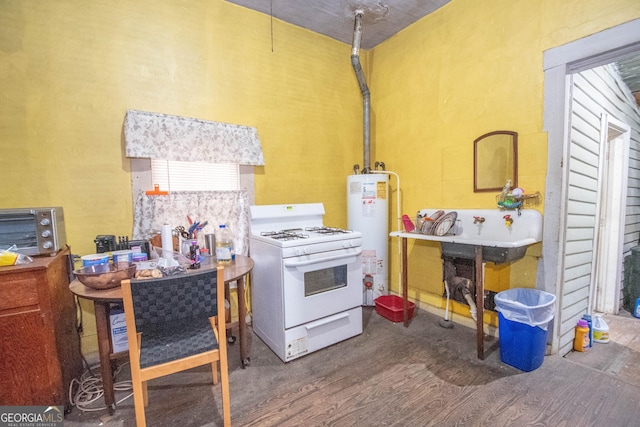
{"points": [[173, 325]]}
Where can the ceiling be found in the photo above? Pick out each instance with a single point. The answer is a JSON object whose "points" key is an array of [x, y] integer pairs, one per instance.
{"points": [[381, 20], [629, 70], [335, 18]]}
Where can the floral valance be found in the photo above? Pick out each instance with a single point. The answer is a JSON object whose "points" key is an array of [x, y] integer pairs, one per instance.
{"points": [[162, 136]]}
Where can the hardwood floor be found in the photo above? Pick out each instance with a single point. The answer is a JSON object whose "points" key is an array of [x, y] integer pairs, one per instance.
{"points": [[423, 375]]}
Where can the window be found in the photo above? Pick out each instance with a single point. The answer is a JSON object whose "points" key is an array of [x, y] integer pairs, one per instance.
{"points": [[173, 175]]}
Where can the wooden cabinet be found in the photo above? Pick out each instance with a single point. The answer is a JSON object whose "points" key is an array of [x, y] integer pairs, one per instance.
{"points": [[39, 347]]}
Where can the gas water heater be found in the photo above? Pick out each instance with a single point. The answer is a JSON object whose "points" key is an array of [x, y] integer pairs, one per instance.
{"points": [[368, 213]]}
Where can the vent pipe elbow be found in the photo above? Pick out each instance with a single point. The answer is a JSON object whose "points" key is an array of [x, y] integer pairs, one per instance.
{"points": [[362, 82], [355, 54]]}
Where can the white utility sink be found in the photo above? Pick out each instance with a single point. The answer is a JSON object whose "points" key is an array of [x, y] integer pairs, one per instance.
{"points": [[500, 242]]}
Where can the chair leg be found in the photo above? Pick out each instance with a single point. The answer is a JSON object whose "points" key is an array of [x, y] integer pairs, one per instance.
{"points": [[226, 403], [139, 393], [214, 371], [145, 395]]}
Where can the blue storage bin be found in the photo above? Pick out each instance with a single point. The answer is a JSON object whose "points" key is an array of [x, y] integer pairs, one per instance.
{"points": [[521, 346]]}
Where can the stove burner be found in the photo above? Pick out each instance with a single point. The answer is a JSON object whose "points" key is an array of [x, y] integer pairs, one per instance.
{"points": [[291, 234], [327, 230]]}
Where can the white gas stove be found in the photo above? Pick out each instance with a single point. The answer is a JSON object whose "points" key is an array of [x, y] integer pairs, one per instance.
{"points": [[307, 279]]}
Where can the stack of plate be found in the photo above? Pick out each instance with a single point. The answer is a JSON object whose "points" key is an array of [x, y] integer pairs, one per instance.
{"points": [[439, 223]]}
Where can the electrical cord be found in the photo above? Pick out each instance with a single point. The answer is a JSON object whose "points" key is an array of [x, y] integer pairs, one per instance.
{"points": [[247, 299], [90, 389]]}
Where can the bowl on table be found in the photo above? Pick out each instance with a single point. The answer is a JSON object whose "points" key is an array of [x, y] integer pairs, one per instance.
{"points": [[105, 276]]}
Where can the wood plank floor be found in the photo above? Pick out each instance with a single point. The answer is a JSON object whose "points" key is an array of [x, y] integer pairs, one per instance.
{"points": [[621, 355], [423, 375]]}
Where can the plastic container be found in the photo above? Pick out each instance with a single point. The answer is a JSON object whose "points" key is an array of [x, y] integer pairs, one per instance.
{"points": [[139, 257], [505, 191], [587, 317], [636, 309], [391, 307], [223, 245], [185, 247], [600, 330], [581, 342], [122, 256], [94, 259], [523, 319], [521, 346]]}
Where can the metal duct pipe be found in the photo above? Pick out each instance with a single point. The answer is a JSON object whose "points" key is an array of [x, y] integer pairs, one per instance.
{"points": [[364, 89]]}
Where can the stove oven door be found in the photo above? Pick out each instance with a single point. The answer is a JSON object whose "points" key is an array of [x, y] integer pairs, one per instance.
{"points": [[319, 285]]}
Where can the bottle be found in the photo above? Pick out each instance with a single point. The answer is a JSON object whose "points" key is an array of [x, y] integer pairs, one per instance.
{"points": [[505, 191], [636, 309], [590, 323], [223, 245], [581, 341], [194, 255], [600, 330]]}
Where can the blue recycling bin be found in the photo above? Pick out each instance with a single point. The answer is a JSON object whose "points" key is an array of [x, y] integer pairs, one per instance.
{"points": [[523, 319]]}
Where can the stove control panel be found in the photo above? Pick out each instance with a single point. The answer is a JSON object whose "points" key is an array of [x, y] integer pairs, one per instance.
{"points": [[346, 246]]}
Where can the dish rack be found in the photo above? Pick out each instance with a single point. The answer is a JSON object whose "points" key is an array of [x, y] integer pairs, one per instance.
{"points": [[525, 200]]}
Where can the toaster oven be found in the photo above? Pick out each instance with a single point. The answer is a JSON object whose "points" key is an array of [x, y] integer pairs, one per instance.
{"points": [[33, 231]]}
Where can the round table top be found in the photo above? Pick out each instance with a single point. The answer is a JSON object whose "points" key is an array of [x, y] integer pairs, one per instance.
{"points": [[234, 271]]}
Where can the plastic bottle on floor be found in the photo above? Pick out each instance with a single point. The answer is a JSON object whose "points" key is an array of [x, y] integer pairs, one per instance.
{"points": [[600, 330], [581, 341], [636, 309], [587, 317]]}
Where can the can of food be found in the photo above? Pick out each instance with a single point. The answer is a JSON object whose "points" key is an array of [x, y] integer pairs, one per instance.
{"points": [[122, 256], [210, 243], [139, 257], [94, 259]]}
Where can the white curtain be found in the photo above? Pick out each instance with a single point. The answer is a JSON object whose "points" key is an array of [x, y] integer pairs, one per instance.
{"points": [[215, 207]]}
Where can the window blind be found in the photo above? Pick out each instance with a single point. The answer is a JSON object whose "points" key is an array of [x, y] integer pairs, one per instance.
{"points": [[172, 175]]}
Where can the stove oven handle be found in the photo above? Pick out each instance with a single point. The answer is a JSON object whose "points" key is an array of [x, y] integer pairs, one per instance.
{"points": [[319, 260], [326, 321]]}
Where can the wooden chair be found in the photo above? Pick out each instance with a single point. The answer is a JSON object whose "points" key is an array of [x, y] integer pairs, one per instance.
{"points": [[173, 325]]}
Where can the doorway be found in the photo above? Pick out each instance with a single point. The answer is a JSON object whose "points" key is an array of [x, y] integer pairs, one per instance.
{"points": [[561, 66], [612, 180]]}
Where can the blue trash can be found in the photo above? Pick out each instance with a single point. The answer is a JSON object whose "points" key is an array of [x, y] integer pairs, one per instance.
{"points": [[523, 318]]}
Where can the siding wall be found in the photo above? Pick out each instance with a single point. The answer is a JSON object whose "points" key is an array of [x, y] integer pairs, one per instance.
{"points": [[596, 91]]}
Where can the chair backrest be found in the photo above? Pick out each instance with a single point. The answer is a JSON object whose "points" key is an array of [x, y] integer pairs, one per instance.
{"points": [[174, 300]]}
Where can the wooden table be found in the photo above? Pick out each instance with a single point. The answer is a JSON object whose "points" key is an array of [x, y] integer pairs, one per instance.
{"points": [[102, 299], [479, 289]]}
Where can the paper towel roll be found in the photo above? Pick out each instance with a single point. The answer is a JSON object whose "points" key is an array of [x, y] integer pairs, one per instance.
{"points": [[167, 241]]}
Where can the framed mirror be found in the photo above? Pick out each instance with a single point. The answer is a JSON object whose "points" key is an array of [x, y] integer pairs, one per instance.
{"points": [[495, 160]]}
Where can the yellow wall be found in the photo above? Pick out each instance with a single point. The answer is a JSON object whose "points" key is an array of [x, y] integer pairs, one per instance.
{"points": [[467, 69], [70, 69]]}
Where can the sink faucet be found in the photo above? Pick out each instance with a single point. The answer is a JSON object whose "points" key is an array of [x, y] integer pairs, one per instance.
{"points": [[478, 219], [508, 220]]}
